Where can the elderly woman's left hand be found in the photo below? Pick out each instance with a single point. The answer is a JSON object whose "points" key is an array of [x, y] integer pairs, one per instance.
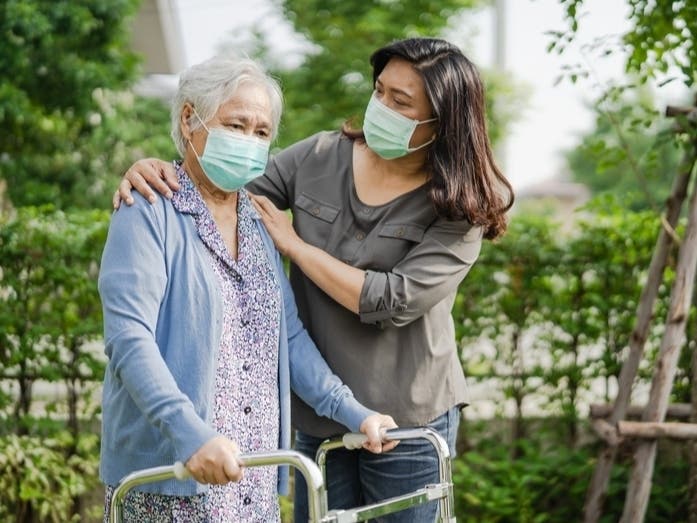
{"points": [[278, 224], [374, 427]]}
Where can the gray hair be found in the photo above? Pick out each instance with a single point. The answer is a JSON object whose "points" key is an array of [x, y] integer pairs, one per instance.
{"points": [[210, 84]]}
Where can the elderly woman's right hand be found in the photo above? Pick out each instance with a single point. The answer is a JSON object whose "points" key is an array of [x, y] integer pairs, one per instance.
{"points": [[216, 462], [144, 176]]}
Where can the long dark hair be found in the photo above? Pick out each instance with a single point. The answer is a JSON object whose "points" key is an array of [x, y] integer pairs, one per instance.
{"points": [[465, 181]]}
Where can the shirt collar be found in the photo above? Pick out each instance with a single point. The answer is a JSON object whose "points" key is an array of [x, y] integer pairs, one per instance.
{"points": [[188, 198]]}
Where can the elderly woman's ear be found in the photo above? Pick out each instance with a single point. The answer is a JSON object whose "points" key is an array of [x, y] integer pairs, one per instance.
{"points": [[185, 117]]}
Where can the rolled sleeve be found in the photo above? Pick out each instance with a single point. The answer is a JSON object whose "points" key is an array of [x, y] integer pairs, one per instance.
{"points": [[429, 272]]}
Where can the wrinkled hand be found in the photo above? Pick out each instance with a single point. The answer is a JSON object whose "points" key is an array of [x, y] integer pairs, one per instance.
{"points": [[279, 226], [216, 462], [374, 427], [143, 176]]}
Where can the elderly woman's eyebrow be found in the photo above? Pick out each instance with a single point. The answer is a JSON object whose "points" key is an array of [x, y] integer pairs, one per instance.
{"points": [[246, 119]]}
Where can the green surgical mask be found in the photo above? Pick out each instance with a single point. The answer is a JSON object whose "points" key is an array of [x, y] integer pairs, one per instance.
{"points": [[231, 160], [388, 132]]}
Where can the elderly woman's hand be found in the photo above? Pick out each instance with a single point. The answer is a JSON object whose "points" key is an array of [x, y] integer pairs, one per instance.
{"points": [[144, 176], [374, 427], [216, 462], [279, 226]]}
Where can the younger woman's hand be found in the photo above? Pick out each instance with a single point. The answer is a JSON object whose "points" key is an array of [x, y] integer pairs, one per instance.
{"points": [[216, 462], [143, 176], [374, 427], [278, 225]]}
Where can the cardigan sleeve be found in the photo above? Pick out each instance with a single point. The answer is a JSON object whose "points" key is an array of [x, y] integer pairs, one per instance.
{"points": [[132, 283], [310, 376]]}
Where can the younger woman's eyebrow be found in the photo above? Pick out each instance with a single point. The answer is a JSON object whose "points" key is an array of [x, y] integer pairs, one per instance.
{"points": [[395, 89]]}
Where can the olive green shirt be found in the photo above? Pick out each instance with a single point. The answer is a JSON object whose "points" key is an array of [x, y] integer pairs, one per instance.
{"points": [[399, 354]]}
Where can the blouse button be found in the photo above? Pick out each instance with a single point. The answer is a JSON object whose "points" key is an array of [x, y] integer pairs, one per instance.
{"points": [[247, 410], [360, 236], [245, 366], [247, 500]]}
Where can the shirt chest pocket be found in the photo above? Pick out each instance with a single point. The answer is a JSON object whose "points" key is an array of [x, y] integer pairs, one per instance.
{"points": [[314, 219], [395, 240]]}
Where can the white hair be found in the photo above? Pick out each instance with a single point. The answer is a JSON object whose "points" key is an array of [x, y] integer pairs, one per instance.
{"points": [[208, 85]]}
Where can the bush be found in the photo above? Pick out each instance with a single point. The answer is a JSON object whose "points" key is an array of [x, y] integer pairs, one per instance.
{"points": [[43, 477]]}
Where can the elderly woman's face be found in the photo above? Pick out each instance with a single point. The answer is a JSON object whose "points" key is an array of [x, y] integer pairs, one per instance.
{"points": [[247, 112]]}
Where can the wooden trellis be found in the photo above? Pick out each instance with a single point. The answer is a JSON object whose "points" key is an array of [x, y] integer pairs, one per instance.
{"points": [[652, 425]]}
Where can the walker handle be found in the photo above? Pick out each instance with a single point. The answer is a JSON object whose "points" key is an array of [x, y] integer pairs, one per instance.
{"points": [[181, 472], [355, 440]]}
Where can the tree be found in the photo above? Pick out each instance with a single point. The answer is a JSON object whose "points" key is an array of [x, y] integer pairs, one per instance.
{"points": [[631, 153], [50, 319], [334, 81], [65, 123], [660, 49]]}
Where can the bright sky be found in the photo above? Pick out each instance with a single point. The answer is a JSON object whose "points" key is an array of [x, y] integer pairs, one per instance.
{"points": [[554, 116]]}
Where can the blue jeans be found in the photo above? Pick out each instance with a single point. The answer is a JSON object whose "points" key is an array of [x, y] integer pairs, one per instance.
{"points": [[358, 477]]}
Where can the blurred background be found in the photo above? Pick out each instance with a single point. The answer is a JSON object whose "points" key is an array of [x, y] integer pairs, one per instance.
{"points": [[577, 93]]}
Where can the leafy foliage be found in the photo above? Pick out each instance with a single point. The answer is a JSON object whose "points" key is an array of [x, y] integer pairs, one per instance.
{"points": [[631, 153], [41, 476], [545, 314], [334, 82], [66, 125], [50, 321], [661, 40], [548, 479], [50, 306]]}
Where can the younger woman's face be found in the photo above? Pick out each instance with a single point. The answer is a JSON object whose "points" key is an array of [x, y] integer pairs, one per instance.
{"points": [[401, 88]]}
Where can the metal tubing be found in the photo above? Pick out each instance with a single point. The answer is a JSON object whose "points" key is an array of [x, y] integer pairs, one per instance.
{"points": [[316, 492], [446, 502]]}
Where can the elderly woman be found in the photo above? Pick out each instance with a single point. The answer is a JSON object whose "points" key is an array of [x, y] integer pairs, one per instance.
{"points": [[201, 328]]}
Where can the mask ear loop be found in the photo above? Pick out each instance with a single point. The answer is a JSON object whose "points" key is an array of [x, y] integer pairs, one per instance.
{"points": [[414, 149]]}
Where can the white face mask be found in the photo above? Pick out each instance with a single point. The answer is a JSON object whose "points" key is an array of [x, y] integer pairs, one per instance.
{"points": [[388, 132]]}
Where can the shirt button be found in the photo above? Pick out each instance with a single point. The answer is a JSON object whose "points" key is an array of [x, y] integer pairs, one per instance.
{"points": [[400, 232], [247, 500], [245, 366], [360, 236], [315, 211], [247, 410]]}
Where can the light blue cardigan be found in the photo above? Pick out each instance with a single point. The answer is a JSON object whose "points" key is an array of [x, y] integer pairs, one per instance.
{"points": [[162, 328]]}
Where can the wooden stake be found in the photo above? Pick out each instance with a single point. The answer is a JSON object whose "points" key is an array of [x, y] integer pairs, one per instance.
{"points": [[640, 480], [597, 487]]}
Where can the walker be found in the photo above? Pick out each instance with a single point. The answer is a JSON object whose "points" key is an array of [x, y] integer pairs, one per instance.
{"points": [[314, 473]]}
